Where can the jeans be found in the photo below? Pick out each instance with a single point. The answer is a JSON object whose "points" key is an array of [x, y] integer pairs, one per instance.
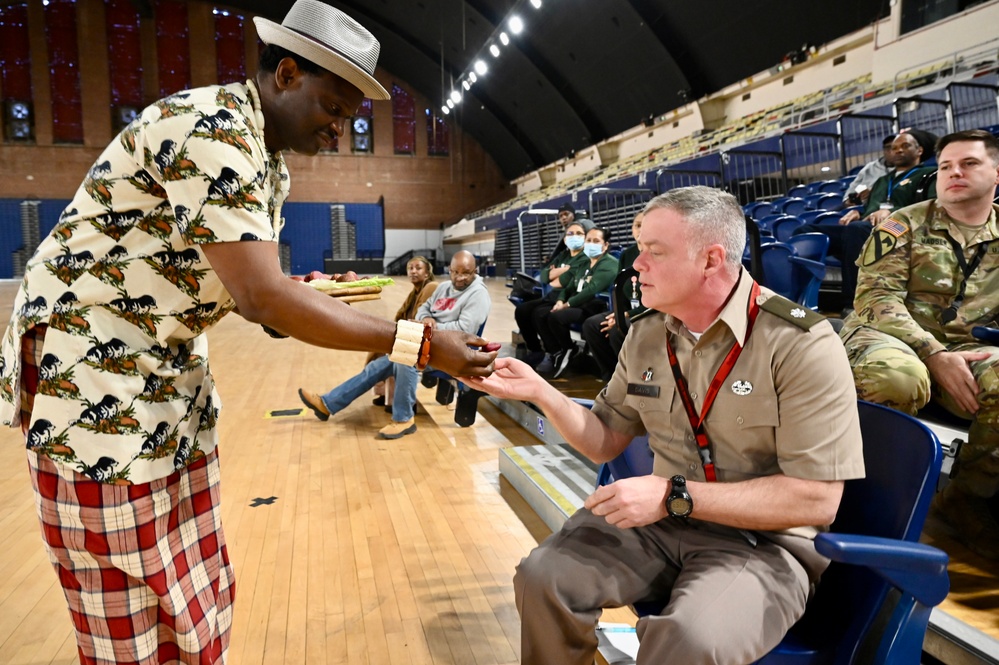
{"points": [[379, 369]]}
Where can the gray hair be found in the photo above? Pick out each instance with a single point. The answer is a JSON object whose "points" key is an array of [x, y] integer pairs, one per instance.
{"points": [[713, 217]]}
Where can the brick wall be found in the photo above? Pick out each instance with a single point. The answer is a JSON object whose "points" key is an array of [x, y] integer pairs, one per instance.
{"points": [[420, 192]]}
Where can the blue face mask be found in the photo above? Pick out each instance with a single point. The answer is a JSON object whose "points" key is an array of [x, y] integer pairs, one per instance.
{"points": [[574, 242], [593, 250]]}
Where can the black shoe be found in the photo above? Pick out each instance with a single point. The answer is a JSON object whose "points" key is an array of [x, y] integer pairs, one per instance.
{"points": [[547, 365], [564, 358], [379, 401]]}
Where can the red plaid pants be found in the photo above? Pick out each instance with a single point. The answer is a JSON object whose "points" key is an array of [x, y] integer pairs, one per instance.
{"points": [[144, 567]]}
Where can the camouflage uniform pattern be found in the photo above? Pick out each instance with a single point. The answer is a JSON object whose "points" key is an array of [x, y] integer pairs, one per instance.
{"points": [[909, 276], [125, 392]]}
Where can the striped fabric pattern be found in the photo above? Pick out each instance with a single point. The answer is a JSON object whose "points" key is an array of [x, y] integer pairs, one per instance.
{"points": [[144, 568]]}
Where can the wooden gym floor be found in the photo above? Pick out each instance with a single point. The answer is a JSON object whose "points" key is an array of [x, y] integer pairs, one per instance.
{"points": [[371, 551]]}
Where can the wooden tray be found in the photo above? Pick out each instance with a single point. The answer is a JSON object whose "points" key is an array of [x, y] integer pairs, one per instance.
{"points": [[350, 291], [360, 297]]}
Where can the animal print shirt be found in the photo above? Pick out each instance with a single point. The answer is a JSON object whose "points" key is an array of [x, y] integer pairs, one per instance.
{"points": [[125, 394]]}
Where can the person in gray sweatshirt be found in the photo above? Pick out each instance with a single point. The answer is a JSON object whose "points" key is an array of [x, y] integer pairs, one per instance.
{"points": [[462, 303]]}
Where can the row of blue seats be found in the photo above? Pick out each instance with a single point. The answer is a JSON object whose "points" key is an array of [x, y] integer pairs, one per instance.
{"points": [[819, 195]]}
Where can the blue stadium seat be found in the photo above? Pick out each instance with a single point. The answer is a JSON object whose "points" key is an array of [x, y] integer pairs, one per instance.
{"points": [[783, 227], [809, 265], [829, 201], [794, 206], [827, 217], [798, 191], [831, 187], [808, 217], [766, 224]]}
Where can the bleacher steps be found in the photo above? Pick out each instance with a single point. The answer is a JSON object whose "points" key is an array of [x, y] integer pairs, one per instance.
{"points": [[553, 479]]}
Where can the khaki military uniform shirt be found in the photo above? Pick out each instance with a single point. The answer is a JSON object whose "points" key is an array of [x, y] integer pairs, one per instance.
{"points": [[787, 407], [909, 275]]}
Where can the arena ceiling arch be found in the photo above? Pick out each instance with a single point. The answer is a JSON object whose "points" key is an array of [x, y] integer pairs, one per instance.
{"points": [[582, 70]]}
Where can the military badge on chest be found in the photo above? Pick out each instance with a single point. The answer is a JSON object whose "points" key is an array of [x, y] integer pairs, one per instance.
{"points": [[742, 388]]}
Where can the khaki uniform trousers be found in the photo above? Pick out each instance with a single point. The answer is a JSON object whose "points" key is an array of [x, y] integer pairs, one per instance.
{"points": [[887, 371], [729, 602]]}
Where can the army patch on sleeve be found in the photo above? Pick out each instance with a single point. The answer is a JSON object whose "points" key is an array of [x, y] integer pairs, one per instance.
{"points": [[879, 245], [894, 227]]}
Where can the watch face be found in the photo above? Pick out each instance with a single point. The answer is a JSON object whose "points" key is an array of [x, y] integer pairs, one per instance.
{"points": [[361, 125], [680, 507]]}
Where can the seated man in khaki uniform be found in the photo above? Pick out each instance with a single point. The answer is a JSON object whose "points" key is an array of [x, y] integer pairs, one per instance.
{"points": [[724, 526], [929, 274]]}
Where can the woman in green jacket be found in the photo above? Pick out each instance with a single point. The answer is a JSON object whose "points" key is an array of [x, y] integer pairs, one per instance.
{"points": [[578, 299]]}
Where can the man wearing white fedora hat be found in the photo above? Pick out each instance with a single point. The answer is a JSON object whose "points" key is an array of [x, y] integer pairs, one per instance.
{"points": [[105, 365]]}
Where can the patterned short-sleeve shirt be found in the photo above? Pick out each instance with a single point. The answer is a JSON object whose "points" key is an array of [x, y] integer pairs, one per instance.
{"points": [[125, 394]]}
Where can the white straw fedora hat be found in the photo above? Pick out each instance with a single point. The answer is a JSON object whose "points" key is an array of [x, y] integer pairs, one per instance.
{"points": [[329, 38]]}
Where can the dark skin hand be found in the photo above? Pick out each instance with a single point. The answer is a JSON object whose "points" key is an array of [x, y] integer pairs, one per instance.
{"points": [[251, 273]]}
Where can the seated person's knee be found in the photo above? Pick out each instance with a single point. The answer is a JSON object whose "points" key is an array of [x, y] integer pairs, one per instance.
{"points": [[887, 377]]}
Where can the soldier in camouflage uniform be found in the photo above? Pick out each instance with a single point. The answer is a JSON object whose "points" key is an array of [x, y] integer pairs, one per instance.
{"points": [[928, 275]]}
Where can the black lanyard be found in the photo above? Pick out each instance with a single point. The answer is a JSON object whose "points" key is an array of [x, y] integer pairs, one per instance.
{"points": [[697, 422], [967, 269]]}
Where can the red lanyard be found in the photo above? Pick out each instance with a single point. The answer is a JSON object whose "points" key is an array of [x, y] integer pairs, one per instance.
{"points": [[697, 422]]}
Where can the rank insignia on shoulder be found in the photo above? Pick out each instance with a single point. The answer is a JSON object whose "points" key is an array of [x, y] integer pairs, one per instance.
{"points": [[791, 312]]}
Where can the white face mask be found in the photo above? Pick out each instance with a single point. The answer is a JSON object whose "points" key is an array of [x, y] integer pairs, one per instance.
{"points": [[574, 242], [593, 250]]}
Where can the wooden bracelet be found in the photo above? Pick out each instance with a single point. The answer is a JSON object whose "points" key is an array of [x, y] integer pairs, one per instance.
{"points": [[407, 344], [428, 333]]}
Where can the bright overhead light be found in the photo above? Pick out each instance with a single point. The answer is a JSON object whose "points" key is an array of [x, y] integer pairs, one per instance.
{"points": [[494, 50], [536, 4], [450, 104], [480, 68], [466, 85], [472, 77], [445, 110], [504, 39], [516, 25], [455, 96]]}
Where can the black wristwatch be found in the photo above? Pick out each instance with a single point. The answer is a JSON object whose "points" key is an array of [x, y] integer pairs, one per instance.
{"points": [[678, 503]]}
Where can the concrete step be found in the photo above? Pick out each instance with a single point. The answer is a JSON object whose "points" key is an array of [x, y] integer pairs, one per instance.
{"points": [[553, 479]]}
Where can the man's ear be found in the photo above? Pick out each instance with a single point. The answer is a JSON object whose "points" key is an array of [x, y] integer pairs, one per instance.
{"points": [[714, 258], [286, 74]]}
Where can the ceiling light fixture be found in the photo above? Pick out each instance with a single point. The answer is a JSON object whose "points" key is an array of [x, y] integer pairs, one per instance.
{"points": [[513, 24]]}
